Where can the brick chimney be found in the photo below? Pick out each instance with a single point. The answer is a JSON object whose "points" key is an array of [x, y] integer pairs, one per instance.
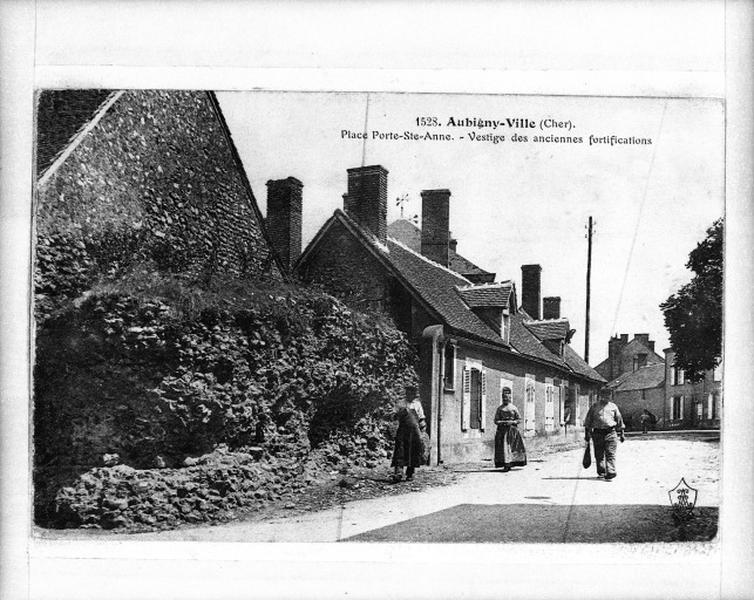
{"points": [[531, 289], [551, 307], [366, 200], [614, 347], [284, 218], [436, 225]]}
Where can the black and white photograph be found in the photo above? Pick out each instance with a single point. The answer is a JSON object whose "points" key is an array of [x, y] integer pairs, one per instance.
{"points": [[305, 317], [307, 324]]}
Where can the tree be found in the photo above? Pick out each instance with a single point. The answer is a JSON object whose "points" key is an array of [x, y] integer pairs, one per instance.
{"points": [[694, 314]]}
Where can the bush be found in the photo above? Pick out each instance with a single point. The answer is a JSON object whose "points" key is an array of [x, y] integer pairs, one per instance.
{"points": [[155, 371]]}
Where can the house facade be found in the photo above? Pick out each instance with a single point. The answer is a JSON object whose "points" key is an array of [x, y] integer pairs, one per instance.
{"points": [[640, 390], [472, 335], [645, 381], [624, 356], [691, 404]]}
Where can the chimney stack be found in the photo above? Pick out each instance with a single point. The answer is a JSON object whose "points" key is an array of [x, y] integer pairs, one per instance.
{"points": [[551, 307], [531, 289], [366, 200], [453, 244], [284, 219], [614, 347], [436, 225]]}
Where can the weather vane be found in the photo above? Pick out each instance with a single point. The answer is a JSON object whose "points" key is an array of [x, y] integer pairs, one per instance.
{"points": [[400, 202]]}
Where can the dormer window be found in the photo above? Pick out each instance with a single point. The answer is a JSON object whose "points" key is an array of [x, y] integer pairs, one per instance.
{"points": [[506, 327]]}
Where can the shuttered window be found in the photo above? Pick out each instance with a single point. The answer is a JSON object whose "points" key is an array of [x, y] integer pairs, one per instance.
{"points": [[529, 406], [466, 399], [549, 407]]}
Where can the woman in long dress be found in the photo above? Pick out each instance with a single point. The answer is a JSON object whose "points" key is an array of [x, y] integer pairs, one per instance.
{"points": [[409, 449], [509, 445]]}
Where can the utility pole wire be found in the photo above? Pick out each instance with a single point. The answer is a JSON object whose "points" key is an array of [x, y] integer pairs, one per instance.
{"points": [[638, 218], [588, 289]]}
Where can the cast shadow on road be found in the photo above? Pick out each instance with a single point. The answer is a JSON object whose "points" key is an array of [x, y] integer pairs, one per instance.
{"points": [[595, 478], [544, 523]]}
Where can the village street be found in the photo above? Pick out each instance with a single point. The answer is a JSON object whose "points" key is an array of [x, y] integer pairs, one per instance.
{"points": [[553, 499]]}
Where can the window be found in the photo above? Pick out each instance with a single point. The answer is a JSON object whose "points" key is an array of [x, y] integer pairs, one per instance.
{"points": [[450, 366], [678, 376], [712, 400], [677, 412], [529, 406], [640, 360], [474, 401], [699, 410], [506, 327], [549, 407], [717, 373], [570, 406]]}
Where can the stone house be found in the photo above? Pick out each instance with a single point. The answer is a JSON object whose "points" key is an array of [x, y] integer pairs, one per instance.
{"points": [[146, 177], [473, 336], [638, 390], [691, 405], [625, 356], [644, 380]]}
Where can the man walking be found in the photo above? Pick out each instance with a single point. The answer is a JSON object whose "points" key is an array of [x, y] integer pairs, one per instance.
{"points": [[604, 424]]}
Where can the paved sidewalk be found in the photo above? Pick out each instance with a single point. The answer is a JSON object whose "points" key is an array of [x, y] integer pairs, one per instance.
{"points": [[552, 499]]}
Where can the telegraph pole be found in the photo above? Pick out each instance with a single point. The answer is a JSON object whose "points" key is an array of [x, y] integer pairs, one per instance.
{"points": [[588, 288]]}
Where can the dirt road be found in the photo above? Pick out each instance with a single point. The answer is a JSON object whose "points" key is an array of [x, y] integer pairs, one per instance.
{"points": [[553, 499]]}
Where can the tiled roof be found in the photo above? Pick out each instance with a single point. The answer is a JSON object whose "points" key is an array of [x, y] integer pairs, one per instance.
{"points": [[525, 342], [649, 376], [579, 365], [551, 329], [407, 233], [487, 295], [437, 287], [464, 266], [410, 235], [60, 116]]}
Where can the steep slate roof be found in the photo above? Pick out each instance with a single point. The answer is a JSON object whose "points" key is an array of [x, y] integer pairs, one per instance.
{"points": [[61, 114], [579, 365], [437, 288], [646, 377], [410, 235], [527, 343], [550, 329], [487, 295]]}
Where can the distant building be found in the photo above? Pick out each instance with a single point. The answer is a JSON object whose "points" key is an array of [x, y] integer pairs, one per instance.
{"points": [[636, 391], [473, 336], [625, 357], [691, 405], [645, 381]]}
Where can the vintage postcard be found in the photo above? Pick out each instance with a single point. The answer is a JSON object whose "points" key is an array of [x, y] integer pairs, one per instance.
{"points": [[332, 325], [374, 317]]}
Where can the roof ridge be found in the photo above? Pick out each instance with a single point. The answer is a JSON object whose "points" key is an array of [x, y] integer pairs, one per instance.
{"points": [[564, 319], [492, 284]]}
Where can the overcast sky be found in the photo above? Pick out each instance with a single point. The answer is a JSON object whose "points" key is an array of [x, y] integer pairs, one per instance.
{"points": [[516, 203]]}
